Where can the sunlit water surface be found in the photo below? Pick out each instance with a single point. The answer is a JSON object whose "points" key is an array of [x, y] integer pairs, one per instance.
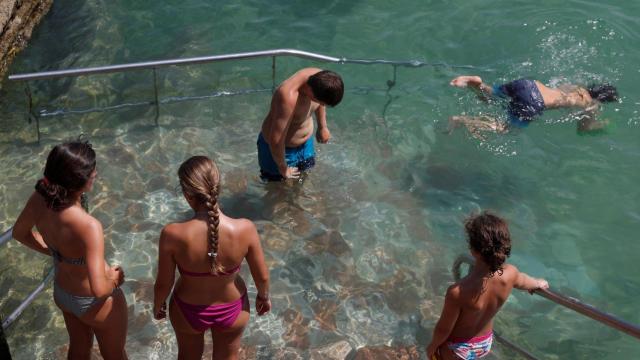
{"points": [[360, 251]]}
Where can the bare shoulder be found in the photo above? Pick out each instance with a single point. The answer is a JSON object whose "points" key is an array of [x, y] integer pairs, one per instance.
{"points": [[509, 272], [34, 205], [244, 225], [283, 98], [454, 291], [243, 229], [172, 231], [85, 226], [80, 220]]}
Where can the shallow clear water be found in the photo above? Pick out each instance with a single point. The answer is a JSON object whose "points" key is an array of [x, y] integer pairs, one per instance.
{"points": [[360, 251]]}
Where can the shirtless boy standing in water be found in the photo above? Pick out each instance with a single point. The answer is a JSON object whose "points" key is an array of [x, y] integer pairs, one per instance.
{"points": [[529, 98], [285, 144]]}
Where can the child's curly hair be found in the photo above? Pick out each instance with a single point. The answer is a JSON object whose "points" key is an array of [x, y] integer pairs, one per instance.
{"points": [[489, 237]]}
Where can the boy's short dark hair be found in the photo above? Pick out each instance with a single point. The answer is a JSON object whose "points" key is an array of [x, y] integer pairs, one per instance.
{"points": [[327, 87], [604, 92]]}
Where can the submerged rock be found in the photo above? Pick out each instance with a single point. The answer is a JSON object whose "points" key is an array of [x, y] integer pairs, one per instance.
{"points": [[325, 313], [297, 329], [337, 351], [387, 353]]}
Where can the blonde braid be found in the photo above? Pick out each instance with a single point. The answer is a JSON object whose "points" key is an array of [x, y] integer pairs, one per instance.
{"points": [[212, 234], [199, 179]]}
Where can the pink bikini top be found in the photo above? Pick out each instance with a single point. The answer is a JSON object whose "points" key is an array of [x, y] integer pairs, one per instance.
{"points": [[189, 273]]}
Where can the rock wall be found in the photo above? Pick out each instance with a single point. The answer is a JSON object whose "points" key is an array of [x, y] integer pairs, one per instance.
{"points": [[17, 20]]}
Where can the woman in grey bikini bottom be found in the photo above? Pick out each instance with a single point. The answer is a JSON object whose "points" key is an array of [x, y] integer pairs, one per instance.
{"points": [[86, 288]]}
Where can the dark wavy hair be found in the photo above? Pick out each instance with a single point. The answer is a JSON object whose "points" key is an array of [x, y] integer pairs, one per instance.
{"points": [[603, 92], [327, 87], [69, 167], [489, 236]]}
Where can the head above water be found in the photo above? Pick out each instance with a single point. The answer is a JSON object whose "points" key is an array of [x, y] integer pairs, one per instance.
{"points": [[604, 92], [327, 87], [200, 183], [489, 237], [70, 170]]}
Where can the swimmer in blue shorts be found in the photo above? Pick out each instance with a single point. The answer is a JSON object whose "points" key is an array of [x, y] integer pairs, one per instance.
{"points": [[285, 143], [528, 99]]}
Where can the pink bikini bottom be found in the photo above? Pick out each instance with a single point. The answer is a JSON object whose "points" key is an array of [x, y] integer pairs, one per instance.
{"points": [[203, 317]]}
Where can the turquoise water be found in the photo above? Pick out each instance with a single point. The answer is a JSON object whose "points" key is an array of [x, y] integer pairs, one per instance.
{"points": [[361, 251]]}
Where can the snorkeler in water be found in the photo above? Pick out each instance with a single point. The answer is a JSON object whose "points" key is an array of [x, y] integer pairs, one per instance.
{"points": [[528, 99]]}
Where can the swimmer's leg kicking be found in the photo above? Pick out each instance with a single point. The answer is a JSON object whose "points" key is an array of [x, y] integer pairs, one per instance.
{"points": [[477, 124]]}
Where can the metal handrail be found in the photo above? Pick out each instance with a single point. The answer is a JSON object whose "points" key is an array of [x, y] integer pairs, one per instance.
{"points": [[6, 236], [568, 302], [27, 300], [154, 65], [225, 57]]}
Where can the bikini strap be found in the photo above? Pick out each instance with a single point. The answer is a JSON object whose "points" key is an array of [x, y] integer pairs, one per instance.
{"points": [[191, 273], [57, 256]]}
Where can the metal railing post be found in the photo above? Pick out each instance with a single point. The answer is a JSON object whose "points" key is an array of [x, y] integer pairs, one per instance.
{"points": [[6, 236], [30, 114], [28, 300], [155, 94]]}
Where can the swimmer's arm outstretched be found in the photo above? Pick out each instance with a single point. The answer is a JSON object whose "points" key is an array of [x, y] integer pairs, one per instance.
{"points": [[23, 228], [322, 134], [448, 318], [481, 89], [588, 119]]}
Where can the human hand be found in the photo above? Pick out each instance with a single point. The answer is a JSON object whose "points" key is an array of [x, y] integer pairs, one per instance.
{"points": [[431, 351], [323, 135], [263, 305], [160, 312], [117, 275], [291, 173], [465, 81], [541, 284]]}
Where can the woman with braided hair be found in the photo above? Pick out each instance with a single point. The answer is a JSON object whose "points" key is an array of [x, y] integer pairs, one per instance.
{"points": [[465, 328], [208, 250]]}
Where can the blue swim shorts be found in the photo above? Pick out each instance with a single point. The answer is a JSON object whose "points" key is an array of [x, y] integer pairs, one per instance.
{"points": [[525, 100], [302, 157]]}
